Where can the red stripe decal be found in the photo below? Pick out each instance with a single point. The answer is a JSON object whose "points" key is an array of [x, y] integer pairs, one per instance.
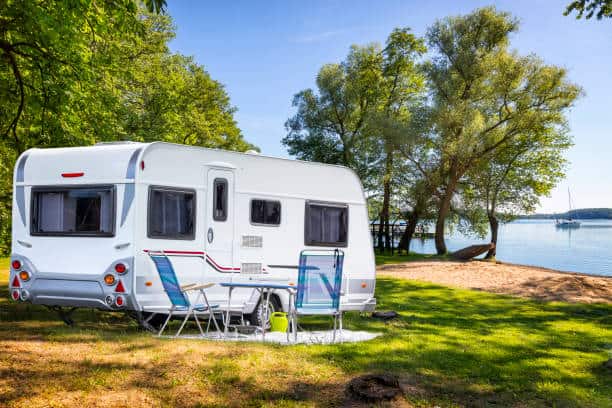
{"points": [[179, 252], [171, 252], [219, 266], [70, 175]]}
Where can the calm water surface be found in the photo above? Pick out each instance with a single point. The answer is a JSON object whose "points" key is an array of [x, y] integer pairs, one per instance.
{"points": [[539, 243]]}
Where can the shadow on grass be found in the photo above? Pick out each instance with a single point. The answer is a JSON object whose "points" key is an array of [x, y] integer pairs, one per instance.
{"points": [[482, 348], [473, 348]]}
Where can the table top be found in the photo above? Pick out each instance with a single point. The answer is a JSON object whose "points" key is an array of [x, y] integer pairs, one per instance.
{"points": [[256, 285]]}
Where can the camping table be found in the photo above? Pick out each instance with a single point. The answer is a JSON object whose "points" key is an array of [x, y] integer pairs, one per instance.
{"points": [[261, 288]]}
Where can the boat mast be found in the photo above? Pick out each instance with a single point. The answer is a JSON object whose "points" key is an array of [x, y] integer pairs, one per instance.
{"points": [[569, 199]]}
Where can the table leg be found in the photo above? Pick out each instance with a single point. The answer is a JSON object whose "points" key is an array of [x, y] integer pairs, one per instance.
{"points": [[289, 315], [227, 312], [265, 315]]}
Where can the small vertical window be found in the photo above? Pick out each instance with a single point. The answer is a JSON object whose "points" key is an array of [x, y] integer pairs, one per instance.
{"points": [[326, 225], [265, 212], [220, 200]]}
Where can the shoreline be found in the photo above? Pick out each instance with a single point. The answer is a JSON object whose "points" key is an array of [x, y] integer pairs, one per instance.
{"points": [[551, 270], [499, 277]]}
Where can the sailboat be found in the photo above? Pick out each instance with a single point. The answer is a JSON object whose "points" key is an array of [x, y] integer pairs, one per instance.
{"points": [[569, 222]]}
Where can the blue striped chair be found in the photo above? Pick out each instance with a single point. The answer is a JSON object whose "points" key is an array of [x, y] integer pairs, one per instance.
{"points": [[178, 296], [319, 286]]}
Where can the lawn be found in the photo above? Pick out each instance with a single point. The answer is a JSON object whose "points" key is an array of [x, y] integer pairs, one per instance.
{"points": [[450, 348], [384, 259]]}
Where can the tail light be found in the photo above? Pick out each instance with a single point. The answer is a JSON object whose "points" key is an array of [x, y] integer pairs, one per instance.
{"points": [[109, 279], [119, 288], [16, 264], [24, 276], [120, 268], [120, 301], [15, 294], [15, 282]]}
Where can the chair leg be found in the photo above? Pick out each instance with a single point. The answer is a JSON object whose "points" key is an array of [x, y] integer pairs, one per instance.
{"points": [[211, 314], [166, 322], [184, 321], [195, 316]]}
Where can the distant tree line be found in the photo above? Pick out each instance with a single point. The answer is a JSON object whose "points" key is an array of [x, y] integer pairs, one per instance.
{"points": [[580, 214], [79, 72], [455, 128]]}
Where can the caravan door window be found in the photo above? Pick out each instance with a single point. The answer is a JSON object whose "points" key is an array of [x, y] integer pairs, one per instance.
{"points": [[326, 225], [73, 211], [220, 199], [171, 213]]}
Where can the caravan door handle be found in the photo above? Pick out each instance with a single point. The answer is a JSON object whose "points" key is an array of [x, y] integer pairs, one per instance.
{"points": [[210, 235]]}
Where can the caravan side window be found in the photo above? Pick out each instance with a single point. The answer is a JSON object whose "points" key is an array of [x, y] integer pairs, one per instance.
{"points": [[326, 225], [171, 213], [264, 212], [220, 199]]}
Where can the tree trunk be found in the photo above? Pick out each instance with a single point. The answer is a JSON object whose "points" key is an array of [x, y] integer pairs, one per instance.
{"points": [[385, 211], [494, 225], [443, 211], [380, 244], [384, 217], [404, 243]]}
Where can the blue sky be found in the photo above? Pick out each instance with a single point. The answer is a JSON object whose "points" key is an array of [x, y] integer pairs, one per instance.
{"points": [[264, 53]]}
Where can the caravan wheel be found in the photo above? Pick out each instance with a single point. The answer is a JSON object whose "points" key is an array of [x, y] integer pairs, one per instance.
{"points": [[273, 306]]}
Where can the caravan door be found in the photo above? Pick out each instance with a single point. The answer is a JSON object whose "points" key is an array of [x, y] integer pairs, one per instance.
{"points": [[219, 235]]}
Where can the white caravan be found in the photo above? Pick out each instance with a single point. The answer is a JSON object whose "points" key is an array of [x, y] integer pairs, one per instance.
{"points": [[85, 219]]}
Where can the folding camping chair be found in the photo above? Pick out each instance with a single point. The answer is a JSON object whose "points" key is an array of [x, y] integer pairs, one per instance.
{"points": [[319, 286], [179, 298]]}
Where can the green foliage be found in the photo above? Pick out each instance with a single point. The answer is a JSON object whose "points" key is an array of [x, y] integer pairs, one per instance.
{"points": [[79, 72], [589, 8], [358, 103], [485, 96]]}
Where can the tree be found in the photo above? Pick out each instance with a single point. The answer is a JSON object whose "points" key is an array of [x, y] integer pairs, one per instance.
{"points": [[599, 8], [328, 124], [516, 176], [400, 87], [484, 96], [357, 117], [79, 72]]}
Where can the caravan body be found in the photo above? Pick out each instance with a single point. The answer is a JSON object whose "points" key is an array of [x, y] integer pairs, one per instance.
{"points": [[86, 218]]}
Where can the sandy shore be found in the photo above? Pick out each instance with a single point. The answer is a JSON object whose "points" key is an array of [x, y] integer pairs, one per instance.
{"points": [[517, 280]]}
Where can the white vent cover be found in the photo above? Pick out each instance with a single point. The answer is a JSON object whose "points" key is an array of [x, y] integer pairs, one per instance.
{"points": [[250, 268], [252, 241]]}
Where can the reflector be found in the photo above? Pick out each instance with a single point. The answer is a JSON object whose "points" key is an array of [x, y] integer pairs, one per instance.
{"points": [[16, 283], [15, 295], [119, 301], [119, 288], [16, 265], [120, 268]]}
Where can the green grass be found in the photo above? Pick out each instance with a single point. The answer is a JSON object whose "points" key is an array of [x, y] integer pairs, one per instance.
{"points": [[450, 347], [384, 259]]}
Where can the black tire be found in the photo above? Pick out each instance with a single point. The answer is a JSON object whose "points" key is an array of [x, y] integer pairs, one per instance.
{"points": [[273, 306]]}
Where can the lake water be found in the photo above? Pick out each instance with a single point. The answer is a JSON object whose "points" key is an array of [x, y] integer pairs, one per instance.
{"points": [[587, 249]]}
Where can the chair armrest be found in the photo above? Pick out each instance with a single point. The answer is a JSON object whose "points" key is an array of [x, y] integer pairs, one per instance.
{"points": [[200, 286], [188, 286]]}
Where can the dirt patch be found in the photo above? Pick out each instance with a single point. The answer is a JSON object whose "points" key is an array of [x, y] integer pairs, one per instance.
{"points": [[374, 387], [503, 278]]}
